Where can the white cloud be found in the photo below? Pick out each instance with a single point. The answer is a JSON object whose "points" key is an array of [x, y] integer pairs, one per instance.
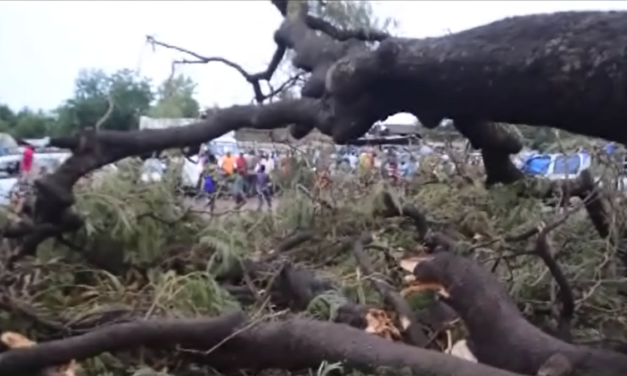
{"points": [[44, 44]]}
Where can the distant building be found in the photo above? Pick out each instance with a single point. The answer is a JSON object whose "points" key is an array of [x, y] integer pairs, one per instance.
{"points": [[399, 129]]}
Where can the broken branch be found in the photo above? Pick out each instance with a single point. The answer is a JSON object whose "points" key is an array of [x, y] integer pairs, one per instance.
{"points": [[293, 344], [406, 316]]}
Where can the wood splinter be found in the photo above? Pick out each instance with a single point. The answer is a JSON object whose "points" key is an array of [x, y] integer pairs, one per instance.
{"points": [[16, 341]]}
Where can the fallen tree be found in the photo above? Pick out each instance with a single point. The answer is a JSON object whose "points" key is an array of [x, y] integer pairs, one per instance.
{"points": [[286, 274], [352, 86], [230, 342], [474, 77]]}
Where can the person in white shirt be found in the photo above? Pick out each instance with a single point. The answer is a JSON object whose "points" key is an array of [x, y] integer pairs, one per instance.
{"points": [[267, 162], [271, 164], [352, 161]]}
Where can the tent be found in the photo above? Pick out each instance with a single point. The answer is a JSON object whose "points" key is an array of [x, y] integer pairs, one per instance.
{"points": [[557, 164], [223, 144]]}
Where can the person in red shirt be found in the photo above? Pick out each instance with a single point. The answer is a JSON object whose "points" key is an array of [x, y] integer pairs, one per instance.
{"points": [[242, 168], [18, 196], [27, 160], [240, 163]]}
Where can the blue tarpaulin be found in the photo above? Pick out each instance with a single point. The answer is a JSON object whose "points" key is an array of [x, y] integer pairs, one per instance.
{"points": [[537, 165], [562, 164], [610, 148]]}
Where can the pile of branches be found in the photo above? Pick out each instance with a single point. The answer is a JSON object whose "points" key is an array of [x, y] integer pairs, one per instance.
{"points": [[480, 79], [322, 279]]}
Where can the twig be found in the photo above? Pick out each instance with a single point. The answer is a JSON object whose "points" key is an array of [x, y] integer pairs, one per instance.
{"points": [[253, 79], [107, 114]]}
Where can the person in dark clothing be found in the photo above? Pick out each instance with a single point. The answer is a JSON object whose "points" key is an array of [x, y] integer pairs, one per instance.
{"points": [[209, 180], [238, 189], [262, 185]]}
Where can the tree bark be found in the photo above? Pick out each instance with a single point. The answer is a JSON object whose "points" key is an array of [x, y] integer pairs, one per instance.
{"points": [[500, 335], [236, 344]]}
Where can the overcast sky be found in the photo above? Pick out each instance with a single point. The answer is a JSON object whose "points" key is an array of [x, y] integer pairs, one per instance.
{"points": [[44, 44]]}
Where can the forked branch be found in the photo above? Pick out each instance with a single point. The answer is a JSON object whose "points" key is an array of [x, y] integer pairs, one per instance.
{"points": [[253, 79]]}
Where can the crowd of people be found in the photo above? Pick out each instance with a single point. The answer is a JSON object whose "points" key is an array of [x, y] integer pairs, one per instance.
{"points": [[389, 163], [246, 175]]}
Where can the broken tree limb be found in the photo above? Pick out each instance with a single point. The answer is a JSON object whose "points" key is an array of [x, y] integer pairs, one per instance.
{"points": [[567, 310], [500, 335], [157, 333], [407, 318], [227, 342], [296, 288], [238, 270], [433, 240], [253, 79], [92, 150]]}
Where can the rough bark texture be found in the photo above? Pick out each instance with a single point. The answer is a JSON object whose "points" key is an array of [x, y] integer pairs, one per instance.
{"points": [[500, 335], [236, 344]]}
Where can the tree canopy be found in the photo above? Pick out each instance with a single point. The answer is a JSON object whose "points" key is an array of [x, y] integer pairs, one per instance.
{"points": [[131, 94]]}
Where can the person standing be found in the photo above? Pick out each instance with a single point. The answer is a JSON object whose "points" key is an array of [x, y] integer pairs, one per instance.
{"points": [[240, 163], [365, 161], [23, 186], [27, 161], [209, 183], [228, 164], [251, 163], [270, 163], [353, 160], [262, 184], [263, 161], [238, 189]]}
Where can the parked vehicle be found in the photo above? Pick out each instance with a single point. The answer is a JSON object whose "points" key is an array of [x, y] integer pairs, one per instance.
{"points": [[10, 170]]}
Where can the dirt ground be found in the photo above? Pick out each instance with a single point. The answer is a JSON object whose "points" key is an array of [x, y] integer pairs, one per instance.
{"points": [[225, 205]]}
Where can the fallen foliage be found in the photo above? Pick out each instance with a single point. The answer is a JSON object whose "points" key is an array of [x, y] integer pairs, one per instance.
{"points": [[304, 263]]}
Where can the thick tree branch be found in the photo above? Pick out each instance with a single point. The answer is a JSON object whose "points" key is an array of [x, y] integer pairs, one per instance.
{"points": [[227, 342], [92, 150], [500, 335]]}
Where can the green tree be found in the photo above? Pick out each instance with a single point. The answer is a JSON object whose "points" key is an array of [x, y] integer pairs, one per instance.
{"points": [[130, 93], [25, 123], [348, 14], [7, 118], [32, 124], [175, 99]]}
